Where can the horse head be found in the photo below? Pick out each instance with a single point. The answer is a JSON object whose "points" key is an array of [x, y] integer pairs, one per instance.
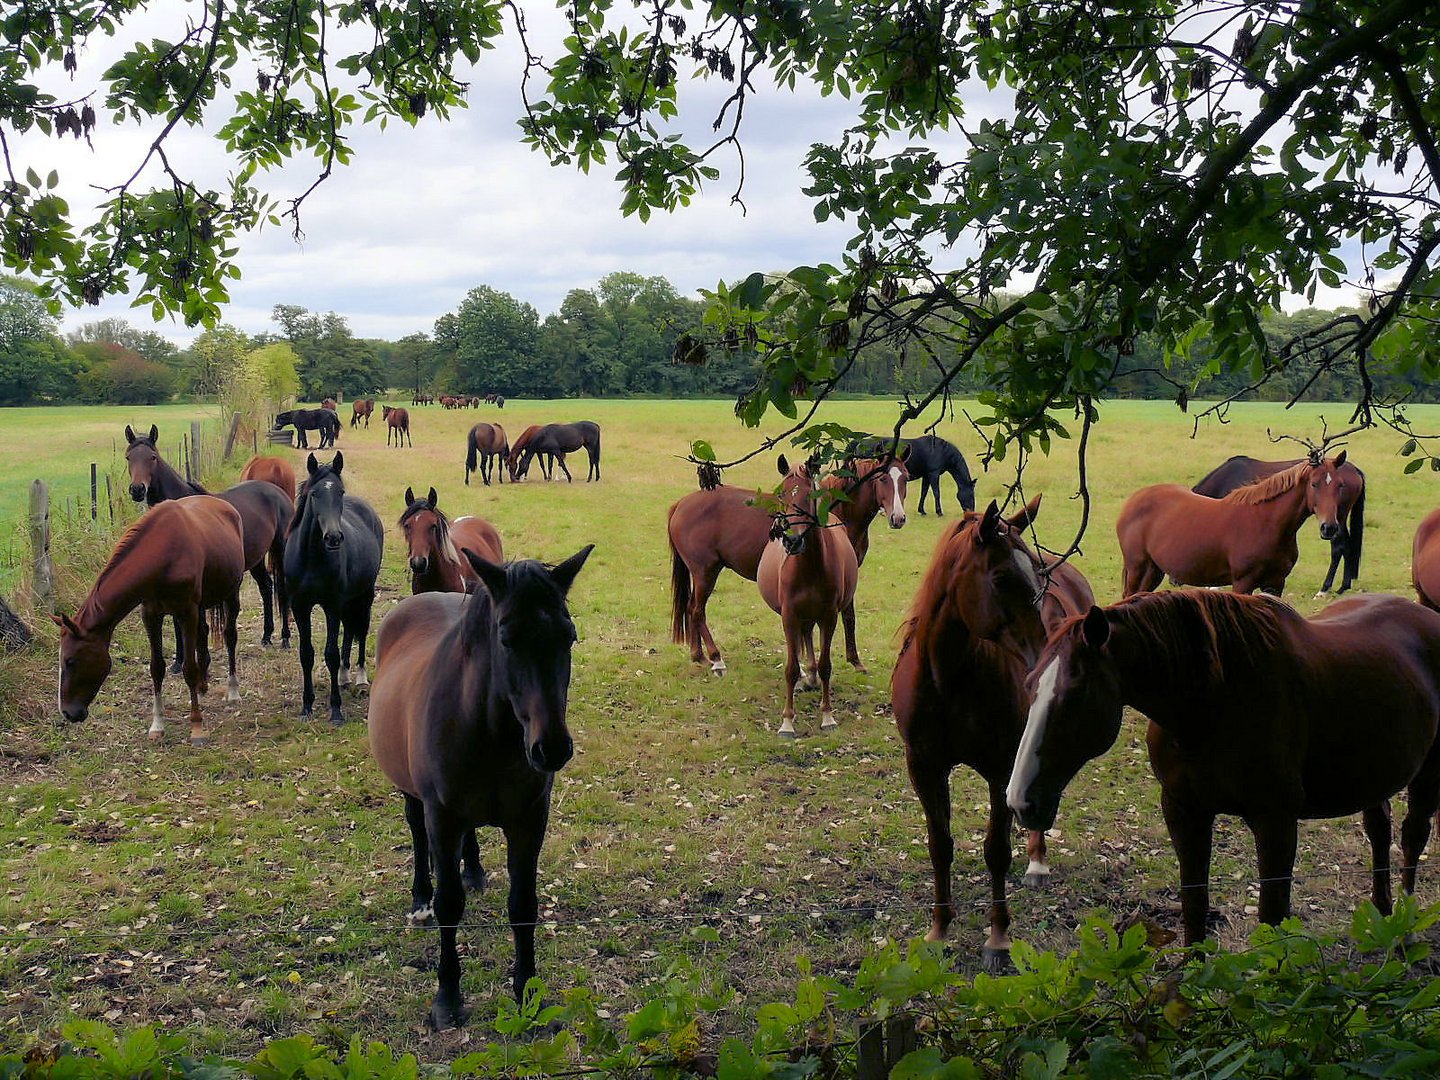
{"points": [[992, 580], [325, 499], [1334, 486], [427, 533], [799, 489], [141, 458], [84, 666], [887, 480], [531, 636], [1074, 716]]}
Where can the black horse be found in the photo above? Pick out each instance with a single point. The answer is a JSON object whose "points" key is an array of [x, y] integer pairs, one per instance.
{"points": [[1347, 542], [561, 439], [332, 557], [325, 421], [925, 458], [467, 719]]}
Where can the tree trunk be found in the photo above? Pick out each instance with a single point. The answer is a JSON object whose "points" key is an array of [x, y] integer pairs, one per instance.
{"points": [[14, 634]]}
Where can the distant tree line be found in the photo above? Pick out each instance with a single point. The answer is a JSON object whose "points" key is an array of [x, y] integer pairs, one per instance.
{"points": [[618, 339]]}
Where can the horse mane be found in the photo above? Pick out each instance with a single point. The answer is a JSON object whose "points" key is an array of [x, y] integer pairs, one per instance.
{"points": [[921, 623], [447, 546], [1271, 487], [302, 498], [122, 547]]}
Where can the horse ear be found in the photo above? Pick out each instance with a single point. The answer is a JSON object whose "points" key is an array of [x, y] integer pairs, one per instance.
{"points": [[564, 574], [1096, 628], [65, 623], [312, 465], [434, 499], [129, 434], [409, 497], [338, 463], [783, 466], [1025, 517], [154, 433], [491, 576], [990, 523], [1340, 458]]}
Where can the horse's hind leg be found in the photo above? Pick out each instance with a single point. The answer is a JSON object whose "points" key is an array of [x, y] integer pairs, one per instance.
{"points": [[422, 891], [177, 665], [262, 580], [361, 622], [232, 637], [931, 781], [1422, 799], [155, 631], [197, 663], [702, 586], [473, 872], [1037, 870], [998, 855], [282, 591], [1377, 830], [852, 652], [823, 669]]}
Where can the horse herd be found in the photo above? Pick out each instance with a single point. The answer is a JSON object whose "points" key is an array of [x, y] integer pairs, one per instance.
{"points": [[1006, 663]]}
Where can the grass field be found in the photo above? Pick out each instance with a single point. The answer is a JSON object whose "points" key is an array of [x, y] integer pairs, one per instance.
{"points": [[258, 886]]}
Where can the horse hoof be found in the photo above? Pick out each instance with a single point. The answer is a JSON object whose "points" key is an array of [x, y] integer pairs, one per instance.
{"points": [[199, 741], [474, 883], [306, 716], [787, 730], [827, 722], [337, 718], [717, 667], [996, 961], [421, 916], [284, 642], [154, 736], [1036, 881], [859, 665], [445, 1017], [232, 693]]}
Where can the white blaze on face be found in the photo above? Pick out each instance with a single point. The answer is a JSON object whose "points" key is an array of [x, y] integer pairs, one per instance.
{"points": [[1027, 758], [899, 514], [1027, 571], [1329, 478]]}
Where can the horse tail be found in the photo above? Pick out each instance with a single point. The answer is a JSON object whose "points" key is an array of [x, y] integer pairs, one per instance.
{"points": [[1356, 538], [216, 617], [470, 454], [679, 596]]}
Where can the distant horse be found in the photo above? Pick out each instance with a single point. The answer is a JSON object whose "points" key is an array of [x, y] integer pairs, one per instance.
{"points": [[361, 410], [484, 444], [433, 543], [1349, 536], [1425, 561], [264, 516], [1254, 711], [978, 622], [272, 470], [398, 424], [807, 574], [1246, 539], [181, 559], [322, 420], [329, 403], [332, 558], [713, 530], [561, 439], [518, 447], [467, 719], [926, 459]]}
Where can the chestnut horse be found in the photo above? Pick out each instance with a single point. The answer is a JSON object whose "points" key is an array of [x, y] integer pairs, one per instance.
{"points": [[518, 447], [978, 622], [180, 559], [1246, 539], [397, 422], [272, 470], [264, 515], [361, 410], [807, 574], [721, 528], [483, 445], [1425, 561], [1348, 539], [433, 543], [557, 440], [1254, 711], [467, 719]]}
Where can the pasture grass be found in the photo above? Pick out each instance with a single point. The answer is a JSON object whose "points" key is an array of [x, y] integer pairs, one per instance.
{"points": [[257, 887]]}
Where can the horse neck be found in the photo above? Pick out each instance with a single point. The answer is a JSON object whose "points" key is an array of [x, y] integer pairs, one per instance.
{"points": [[443, 575], [123, 585], [858, 511], [166, 483]]}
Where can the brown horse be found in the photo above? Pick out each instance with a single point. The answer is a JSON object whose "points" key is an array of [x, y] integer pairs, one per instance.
{"points": [[329, 403], [397, 421], [1425, 561], [361, 410], [978, 622], [518, 447], [264, 514], [557, 440], [721, 528], [272, 470], [467, 719], [1246, 539], [1254, 711], [483, 445], [807, 574], [433, 543], [180, 559]]}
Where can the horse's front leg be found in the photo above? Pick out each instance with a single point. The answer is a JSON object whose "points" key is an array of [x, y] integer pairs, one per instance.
{"points": [[232, 638], [154, 621], [823, 669], [1275, 842], [1190, 835], [1422, 800], [522, 858], [197, 660], [422, 891], [1037, 869], [332, 662], [792, 676], [998, 855], [560, 460], [445, 838], [302, 615], [282, 594], [1378, 832]]}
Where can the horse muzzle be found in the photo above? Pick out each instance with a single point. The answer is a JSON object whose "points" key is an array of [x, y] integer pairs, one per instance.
{"points": [[137, 492], [897, 521], [75, 715], [793, 543], [1329, 530], [1035, 812], [419, 564], [333, 541], [551, 753]]}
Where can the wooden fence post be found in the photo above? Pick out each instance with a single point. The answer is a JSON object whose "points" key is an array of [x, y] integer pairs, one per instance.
{"points": [[185, 449], [94, 492], [231, 435], [197, 446], [110, 499], [44, 572]]}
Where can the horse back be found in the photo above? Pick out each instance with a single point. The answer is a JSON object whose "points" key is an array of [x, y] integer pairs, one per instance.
{"points": [[718, 528], [479, 536], [200, 540], [272, 470], [1236, 472], [264, 514], [1069, 594]]}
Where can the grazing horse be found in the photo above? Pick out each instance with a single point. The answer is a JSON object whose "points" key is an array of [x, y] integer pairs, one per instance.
{"points": [[518, 447], [926, 459], [361, 410], [807, 574], [433, 542], [272, 470], [1349, 536], [322, 420], [558, 440], [1246, 539], [264, 517], [484, 444], [397, 421], [1254, 711], [467, 719], [180, 559], [1425, 561], [978, 622], [721, 528], [332, 558]]}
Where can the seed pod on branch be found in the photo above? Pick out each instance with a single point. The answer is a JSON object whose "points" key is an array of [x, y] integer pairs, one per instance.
{"points": [[837, 335]]}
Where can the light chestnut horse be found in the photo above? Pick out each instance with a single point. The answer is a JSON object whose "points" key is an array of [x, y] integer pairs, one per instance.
{"points": [[272, 470], [1425, 561], [433, 544], [807, 574]]}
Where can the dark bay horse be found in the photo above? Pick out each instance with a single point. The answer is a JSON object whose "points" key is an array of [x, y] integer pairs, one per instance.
{"points": [[467, 719], [264, 515], [181, 558], [322, 420], [433, 543], [710, 531], [561, 439], [1349, 536], [397, 422], [1254, 711], [272, 470], [518, 447], [1425, 561], [361, 410], [332, 557], [978, 622], [484, 444], [1246, 539], [807, 575]]}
